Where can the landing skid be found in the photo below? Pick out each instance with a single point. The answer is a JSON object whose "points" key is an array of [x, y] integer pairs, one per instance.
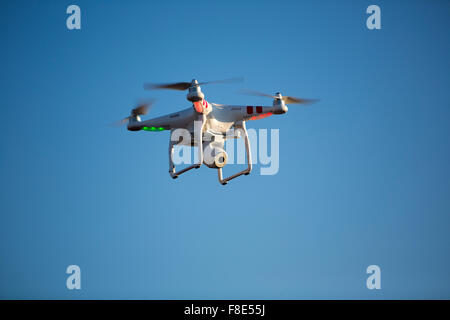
{"points": [[239, 125], [172, 171]]}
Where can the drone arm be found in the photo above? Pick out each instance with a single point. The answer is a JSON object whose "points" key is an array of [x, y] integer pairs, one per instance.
{"points": [[171, 121], [245, 113]]}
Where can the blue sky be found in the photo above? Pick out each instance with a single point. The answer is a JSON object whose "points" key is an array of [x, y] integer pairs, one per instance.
{"points": [[364, 176]]}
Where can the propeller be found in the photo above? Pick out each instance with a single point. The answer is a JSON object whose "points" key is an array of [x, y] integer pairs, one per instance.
{"points": [[142, 108], [186, 85], [217, 104], [286, 99]]}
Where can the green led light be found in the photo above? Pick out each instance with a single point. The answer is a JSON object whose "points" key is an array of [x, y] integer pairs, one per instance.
{"points": [[153, 128]]}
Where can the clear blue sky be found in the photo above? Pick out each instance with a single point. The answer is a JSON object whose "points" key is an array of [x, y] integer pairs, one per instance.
{"points": [[364, 174]]}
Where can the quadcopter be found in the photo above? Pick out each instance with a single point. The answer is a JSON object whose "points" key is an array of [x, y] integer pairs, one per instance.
{"points": [[208, 123]]}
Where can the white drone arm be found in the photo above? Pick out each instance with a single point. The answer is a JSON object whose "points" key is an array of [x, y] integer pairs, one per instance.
{"points": [[171, 121], [245, 113]]}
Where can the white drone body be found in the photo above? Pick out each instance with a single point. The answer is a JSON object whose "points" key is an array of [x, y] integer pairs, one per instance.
{"points": [[214, 124]]}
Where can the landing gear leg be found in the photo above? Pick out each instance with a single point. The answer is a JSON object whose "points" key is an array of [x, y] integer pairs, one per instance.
{"points": [[241, 126], [172, 171]]}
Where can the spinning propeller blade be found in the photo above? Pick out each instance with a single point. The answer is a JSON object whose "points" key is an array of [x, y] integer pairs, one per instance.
{"points": [[185, 85], [142, 108], [294, 100], [256, 93], [173, 86], [229, 80], [286, 99]]}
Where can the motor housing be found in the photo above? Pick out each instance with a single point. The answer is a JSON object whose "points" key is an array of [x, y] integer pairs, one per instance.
{"points": [[279, 107], [195, 92]]}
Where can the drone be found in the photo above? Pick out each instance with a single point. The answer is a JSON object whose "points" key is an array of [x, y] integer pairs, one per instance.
{"points": [[208, 123]]}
